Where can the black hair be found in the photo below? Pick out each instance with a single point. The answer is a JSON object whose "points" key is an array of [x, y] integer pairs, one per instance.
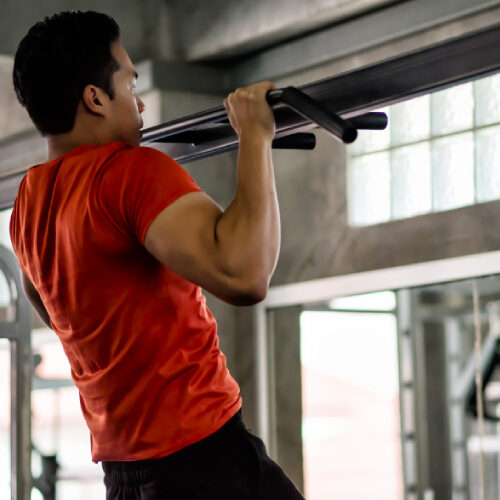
{"points": [[57, 59]]}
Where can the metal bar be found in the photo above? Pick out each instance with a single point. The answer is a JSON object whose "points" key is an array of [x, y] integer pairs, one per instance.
{"points": [[392, 278], [302, 140], [21, 419], [18, 330], [406, 392], [370, 121], [213, 124], [208, 117], [220, 131], [314, 112], [262, 373]]}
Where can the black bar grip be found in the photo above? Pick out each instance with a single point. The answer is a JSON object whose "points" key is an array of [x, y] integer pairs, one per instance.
{"points": [[197, 136], [313, 111], [370, 121], [301, 140]]}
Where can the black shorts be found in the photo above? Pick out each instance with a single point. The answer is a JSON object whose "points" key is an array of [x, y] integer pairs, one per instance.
{"points": [[231, 464]]}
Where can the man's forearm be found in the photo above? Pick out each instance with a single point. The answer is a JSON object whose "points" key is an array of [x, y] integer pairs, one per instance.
{"points": [[248, 232]]}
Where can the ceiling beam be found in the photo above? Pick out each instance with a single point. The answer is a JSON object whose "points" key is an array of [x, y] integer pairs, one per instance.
{"points": [[351, 37]]}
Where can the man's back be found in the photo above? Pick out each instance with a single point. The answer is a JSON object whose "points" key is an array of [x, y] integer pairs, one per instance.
{"points": [[114, 242], [140, 339]]}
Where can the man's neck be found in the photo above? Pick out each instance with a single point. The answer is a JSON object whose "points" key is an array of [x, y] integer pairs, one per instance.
{"points": [[56, 150], [60, 144]]}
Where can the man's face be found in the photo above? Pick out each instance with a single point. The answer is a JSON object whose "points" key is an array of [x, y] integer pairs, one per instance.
{"points": [[126, 107]]}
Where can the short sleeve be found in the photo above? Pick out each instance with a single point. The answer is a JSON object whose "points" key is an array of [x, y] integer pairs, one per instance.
{"points": [[137, 184]]}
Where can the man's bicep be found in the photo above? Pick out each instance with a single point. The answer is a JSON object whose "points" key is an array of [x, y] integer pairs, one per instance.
{"points": [[182, 237]]}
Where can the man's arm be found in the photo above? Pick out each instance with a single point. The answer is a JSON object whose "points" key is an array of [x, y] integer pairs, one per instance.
{"points": [[230, 253], [34, 298]]}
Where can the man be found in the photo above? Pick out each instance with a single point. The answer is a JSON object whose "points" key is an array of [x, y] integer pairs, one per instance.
{"points": [[115, 242]]}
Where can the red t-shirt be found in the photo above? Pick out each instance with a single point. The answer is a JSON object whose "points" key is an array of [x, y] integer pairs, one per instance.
{"points": [[140, 339]]}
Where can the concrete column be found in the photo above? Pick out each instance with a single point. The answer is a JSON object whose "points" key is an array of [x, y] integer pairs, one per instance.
{"points": [[287, 397]]}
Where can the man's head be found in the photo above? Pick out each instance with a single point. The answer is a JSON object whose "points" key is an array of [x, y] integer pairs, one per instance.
{"points": [[72, 68]]}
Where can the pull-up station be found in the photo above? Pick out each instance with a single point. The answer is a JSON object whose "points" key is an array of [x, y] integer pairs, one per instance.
{"points": [[208, 132], [350, 96]]}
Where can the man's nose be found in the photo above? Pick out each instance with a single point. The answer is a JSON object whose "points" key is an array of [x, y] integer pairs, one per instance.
{"points": [[140, 105]]}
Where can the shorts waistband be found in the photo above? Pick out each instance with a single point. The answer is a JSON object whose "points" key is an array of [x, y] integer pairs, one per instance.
{"points": [[138, 471]]}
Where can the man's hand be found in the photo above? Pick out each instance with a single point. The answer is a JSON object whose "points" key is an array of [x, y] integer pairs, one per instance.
{"points": [[249, 112]]}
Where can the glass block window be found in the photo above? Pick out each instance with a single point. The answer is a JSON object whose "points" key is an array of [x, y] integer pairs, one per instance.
{"points": [[441, 151]]}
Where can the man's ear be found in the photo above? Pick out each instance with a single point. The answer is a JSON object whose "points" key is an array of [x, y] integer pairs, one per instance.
{"points": [[94, 99]]}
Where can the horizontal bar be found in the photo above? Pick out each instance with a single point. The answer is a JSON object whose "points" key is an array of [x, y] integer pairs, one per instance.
{"points": [[220, 131], [393, 278], [181, 125], [213, 124]]}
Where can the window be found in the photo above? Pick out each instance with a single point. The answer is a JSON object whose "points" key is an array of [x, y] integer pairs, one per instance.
{"points": [[350, 401], [441, 151]]}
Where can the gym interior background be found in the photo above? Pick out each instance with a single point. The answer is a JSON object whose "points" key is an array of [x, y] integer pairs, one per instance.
{"points": [[359, 368]]}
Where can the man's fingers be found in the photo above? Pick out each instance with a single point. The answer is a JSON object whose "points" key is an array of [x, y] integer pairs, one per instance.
{"points": [[248, 109]]}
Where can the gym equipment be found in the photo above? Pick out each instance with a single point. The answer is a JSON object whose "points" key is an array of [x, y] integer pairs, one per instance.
{"points": [[490, 354], [203, 132]]}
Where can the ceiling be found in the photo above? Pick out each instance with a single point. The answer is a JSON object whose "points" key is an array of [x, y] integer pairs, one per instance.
{"points": [[191, 30]]}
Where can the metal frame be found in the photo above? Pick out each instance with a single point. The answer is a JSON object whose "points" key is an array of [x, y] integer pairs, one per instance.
{"points": [[407, 393], [310, 292], [17, 329]]}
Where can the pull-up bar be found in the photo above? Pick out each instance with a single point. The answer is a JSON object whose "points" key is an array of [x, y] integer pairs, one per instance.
{"points": [[212, 126]]}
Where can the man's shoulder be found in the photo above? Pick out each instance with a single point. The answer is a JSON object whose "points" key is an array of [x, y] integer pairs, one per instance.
{"points": [[123, 155], [130, 151], [130, 164]]}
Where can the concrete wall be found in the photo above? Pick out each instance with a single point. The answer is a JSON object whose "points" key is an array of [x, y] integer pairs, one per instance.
{"points": [[13, 117]]}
